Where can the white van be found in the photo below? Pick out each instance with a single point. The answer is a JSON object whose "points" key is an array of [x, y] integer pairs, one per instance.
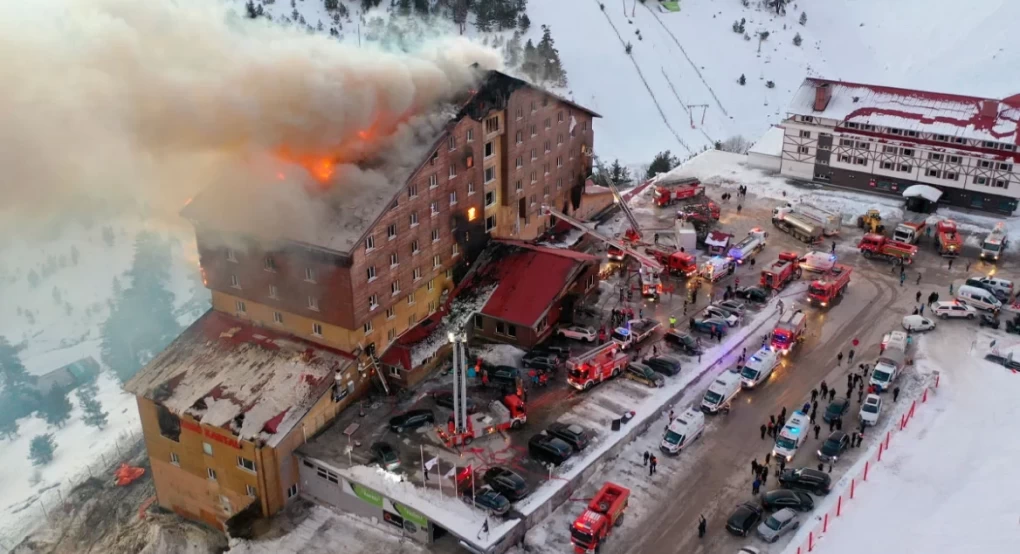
{"points": [[979, 298], [687, 427], [792, 435], [716, 268], [887, 369], [720, 392], [896, 340], [758, 367]]}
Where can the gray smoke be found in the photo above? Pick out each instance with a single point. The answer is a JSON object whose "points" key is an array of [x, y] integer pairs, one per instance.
{"points": [[120, 104]]}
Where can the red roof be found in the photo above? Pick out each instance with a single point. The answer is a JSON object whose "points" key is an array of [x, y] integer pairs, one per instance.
{"points": [[530, 280]]}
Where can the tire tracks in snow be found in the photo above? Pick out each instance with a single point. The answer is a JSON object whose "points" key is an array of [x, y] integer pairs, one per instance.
{"points": [[645, 81]]}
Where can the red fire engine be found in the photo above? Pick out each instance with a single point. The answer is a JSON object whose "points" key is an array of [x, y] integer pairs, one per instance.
{"points": [[667, 193], [508, 414], [789, 331], [604, 512], [779, 273], [948, 242], [831, 286], [677, 263], [586, 370], [878, 246]]}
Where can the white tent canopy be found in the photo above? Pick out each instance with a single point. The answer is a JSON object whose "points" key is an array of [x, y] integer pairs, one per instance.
{"points": [[930, 194]]}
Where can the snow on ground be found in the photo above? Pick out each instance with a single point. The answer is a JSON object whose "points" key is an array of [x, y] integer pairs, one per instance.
{"points": [[499, 354], [945, 485]]}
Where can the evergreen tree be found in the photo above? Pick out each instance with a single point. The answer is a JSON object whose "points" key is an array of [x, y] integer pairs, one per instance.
{"points": [[803, 18], [259, 11], [56, 408], [663, 162], [94, 414], [8, 424], [618, 173], [550, 66], [421, 7], [404, 7], [331, 5], [369, 4], [12, 372], [742, 80], [40, 451], [797, 40], [460, 13], [524, 23], [141, 322], [250, 9], [531, 66], [484, 15], [513, 51]]}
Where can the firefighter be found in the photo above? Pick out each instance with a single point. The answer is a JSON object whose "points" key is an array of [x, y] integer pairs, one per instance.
{"points": [[672, 322]]}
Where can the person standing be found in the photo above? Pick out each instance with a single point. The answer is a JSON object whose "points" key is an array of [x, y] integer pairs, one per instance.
{"points": [[895, 394], [850, 357], [833, 247], [771, 429], [647, 455], [814, 394], [950, 264], [764, 475], [917, 297], [839, 359], [763, 429], [702, 525], [652, 462], [903, 277], [755, 486], [818, 429], [832, 394]]}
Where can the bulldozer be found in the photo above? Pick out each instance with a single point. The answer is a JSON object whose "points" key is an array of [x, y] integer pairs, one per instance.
{"points": [[871, 222]]}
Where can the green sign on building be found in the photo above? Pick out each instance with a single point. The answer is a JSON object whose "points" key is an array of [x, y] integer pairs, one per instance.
{"points": [[412, 515], [368, 495]]}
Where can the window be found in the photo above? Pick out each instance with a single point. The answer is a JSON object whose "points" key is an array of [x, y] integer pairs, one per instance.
{"points": [[942, 138], [984, 164], [410, 299], [559, 138], [453, 198], [432, 283], [906, 168], [492, 124], [980, 180], [490, 149], [490, 223], [414, 219], [909, 152], [861, 161], [951, 176], [559, 161], [534, 154], [435, 235], [559, 116], [470, 135], [933, 173], [519, 137], [246, 464], [449, 273], [471, 189], [548, 123], [313, 303], [317, 329], [234, 282], [889, 149], [269, 264], [519, 113], [490, 174], [207, 449], [1005, 167], [373, 302], [368, 327], [548, 147], [278, 318], [391, 334], [239, 307], [518, 185], [394, 371], [534, 176], [292, 491], [912, 134], [231, 255], [960, 140], [559, 183], [479, 321], [895, 132], [545, 191], [411, 320], [545, 168], [416, 274], [506, 329], [250, 490], [1000, 183], [887, 165], [490, 198], [210, 473], [803, 149], [436, 261], [433, 181], [370, 271], [533, 106], [864, 145], [415, 247], [584, 127], [988, 144], [174, 459], [519, 162], [845, 142], [391, 231], [534, 130], [274, 293], [453, 171], [934, 157], [851, 125], [394, 259], [391, 312], [432, 306], [326, 474], [806, 118], [369, 245], [805, 134], [533, 199], [412, 191], [954, 159]]}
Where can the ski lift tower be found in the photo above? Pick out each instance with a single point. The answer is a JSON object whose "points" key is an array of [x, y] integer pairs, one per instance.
{"points": [[460, 412]]}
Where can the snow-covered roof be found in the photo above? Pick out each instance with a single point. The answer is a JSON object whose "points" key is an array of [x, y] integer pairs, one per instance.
{"points": [[914, 110], [927, 192], [770, 144], [718, 238], [46, 362], [221, 368]]}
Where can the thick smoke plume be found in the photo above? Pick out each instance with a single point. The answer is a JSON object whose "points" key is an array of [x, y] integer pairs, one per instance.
{"points": [[114, 104]]}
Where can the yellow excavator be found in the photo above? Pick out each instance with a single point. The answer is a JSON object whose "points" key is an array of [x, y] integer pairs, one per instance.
{"points": [[871, 222]]}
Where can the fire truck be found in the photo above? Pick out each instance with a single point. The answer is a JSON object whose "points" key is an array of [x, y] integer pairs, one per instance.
{"points": [[948, 242], [994, 244], [789, 331], [753, 243], [831, 286], [509, 413], [677, 263], [883, 248], [604, 512], [667, 193], [781, 272], [909, 232], [586, 370]]}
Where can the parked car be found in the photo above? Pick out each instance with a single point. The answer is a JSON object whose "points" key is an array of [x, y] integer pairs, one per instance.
{"points": [[731, 319], [410, 420], [547, 351], [488, 499], [576, 436], [686, 343], [578, 332], [743, 519], [709, 325], [946, 310], [547, 448], [871, 409], [778, 524], [833, 446], [543, 363], [444, 398], [785, 498], [1008, 363], [989, 320], [733, 307], [917, 323], [664, 364], [385, 455], [506, 482], [643, 374], [836, 409], [806, 479], [757, 295], [503, 375]]}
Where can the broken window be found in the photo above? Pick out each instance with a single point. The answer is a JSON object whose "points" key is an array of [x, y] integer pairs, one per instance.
{"points": [[169, 423]]}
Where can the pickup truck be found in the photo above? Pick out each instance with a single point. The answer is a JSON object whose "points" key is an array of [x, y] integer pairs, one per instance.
{"points": [[635, 331]]}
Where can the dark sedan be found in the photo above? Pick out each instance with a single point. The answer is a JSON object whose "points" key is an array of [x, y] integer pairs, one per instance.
{"points": [[444, 398], [506, 482], [411, 420], [757, 295], [385, 455], [667, 365], [744, 518], [805, 479], [544, 363], [504, 375], [837, 408], [547, 448], [488, 499], [574, 435], [833, 446], [683, 341], [786, 498]]}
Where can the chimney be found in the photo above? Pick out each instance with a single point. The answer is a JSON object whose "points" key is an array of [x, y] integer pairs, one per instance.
{"points": [[989, 110], [823, 93]]}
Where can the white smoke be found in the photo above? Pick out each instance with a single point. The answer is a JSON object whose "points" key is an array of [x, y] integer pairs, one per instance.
{"points": [[111, 104]]}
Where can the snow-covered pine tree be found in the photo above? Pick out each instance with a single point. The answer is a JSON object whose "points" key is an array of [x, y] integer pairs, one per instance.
{"points": [[797, 40], [531, 64], [663, 162], [803, 18], [56, 408], [524, 23], [40, 450], [94, 415], [742, 80]]}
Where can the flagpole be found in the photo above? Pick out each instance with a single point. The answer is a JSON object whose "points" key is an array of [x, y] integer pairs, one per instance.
{"points": [[439, 476], [424, 472]]}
